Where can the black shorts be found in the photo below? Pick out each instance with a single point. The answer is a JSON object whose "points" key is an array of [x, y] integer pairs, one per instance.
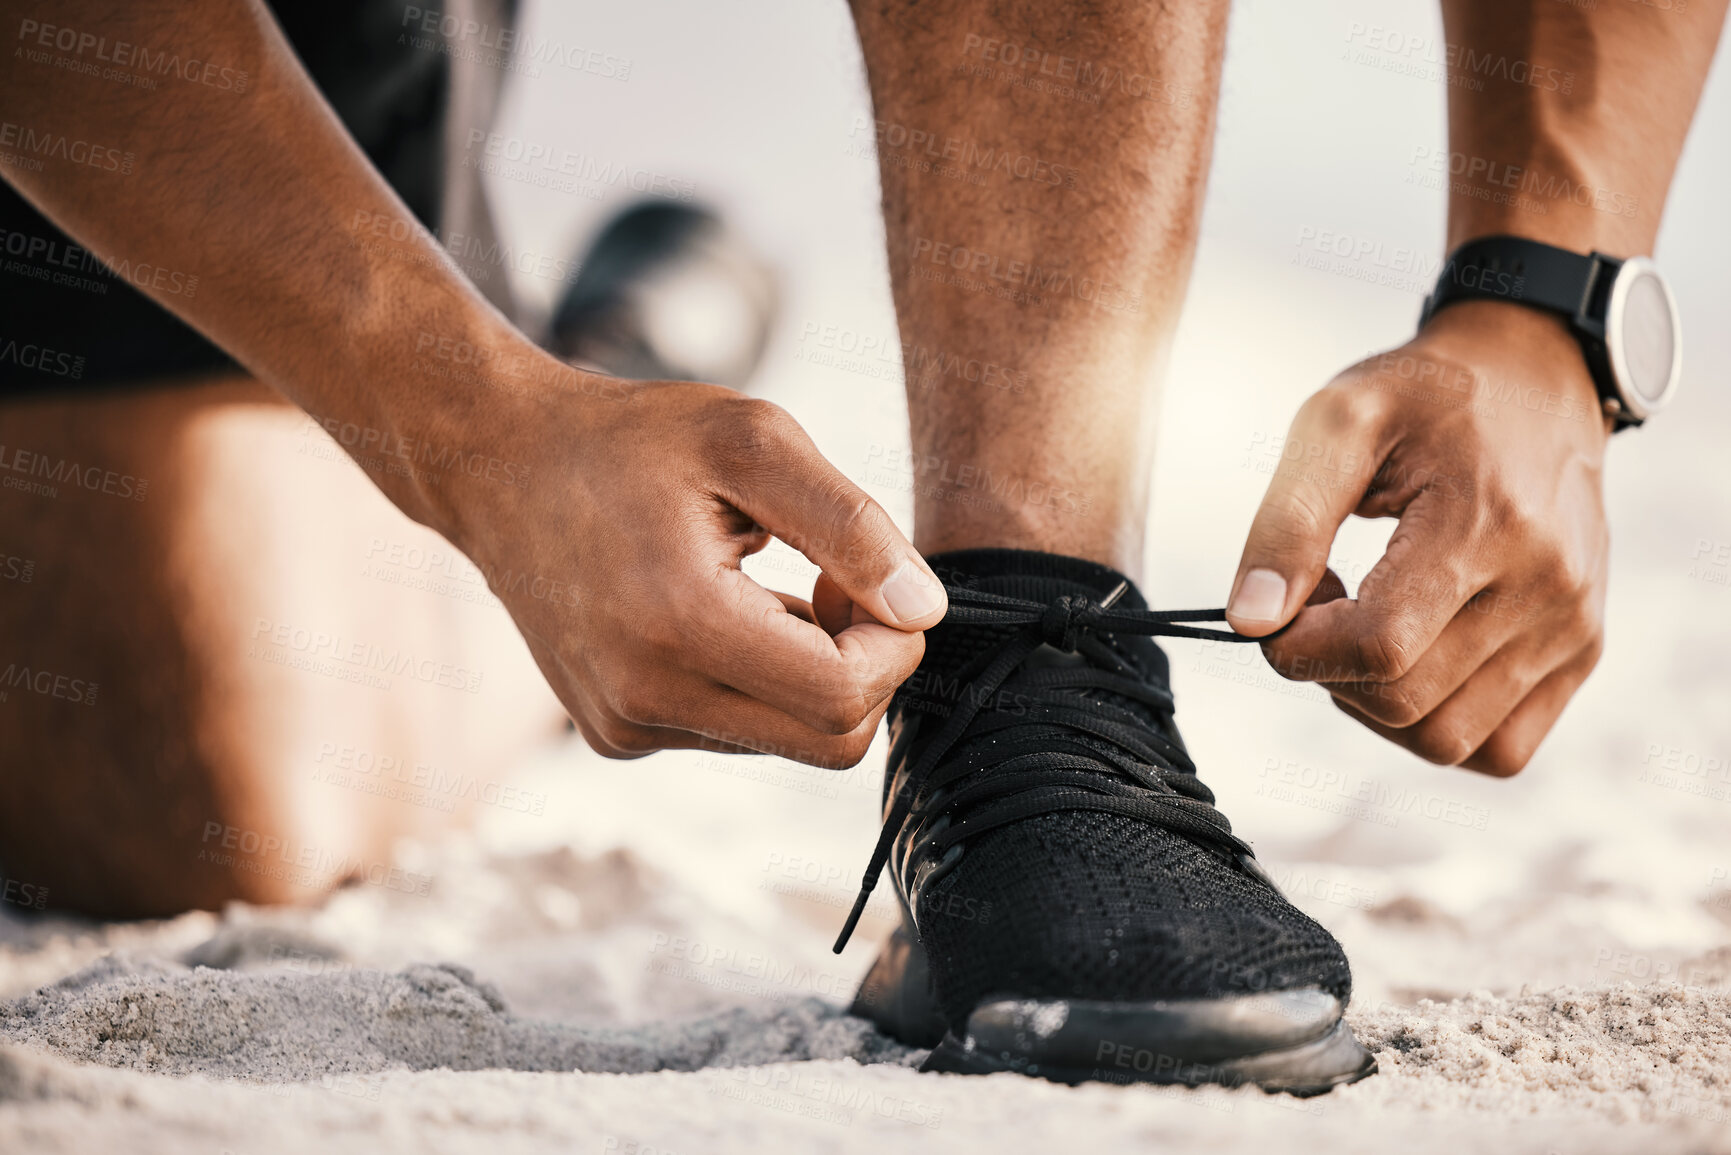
{"points": [[67, 322]]}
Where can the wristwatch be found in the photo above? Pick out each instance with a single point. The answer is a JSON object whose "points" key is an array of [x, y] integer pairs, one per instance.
{"points": [[1620, 309]]}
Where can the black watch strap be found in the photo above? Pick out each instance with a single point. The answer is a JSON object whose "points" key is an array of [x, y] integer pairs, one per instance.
{"points": [[1528, 273], [1541, 276]]}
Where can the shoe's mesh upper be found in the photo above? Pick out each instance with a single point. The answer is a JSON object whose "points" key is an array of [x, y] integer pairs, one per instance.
{"points": [[1089, 905]]}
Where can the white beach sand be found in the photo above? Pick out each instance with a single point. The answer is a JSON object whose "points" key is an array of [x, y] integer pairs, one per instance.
{"points": [[1542, 964], [299, 1040]]}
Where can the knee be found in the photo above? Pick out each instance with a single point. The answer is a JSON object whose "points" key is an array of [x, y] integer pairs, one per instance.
{"points": [[133, 837], [266, 859], [164, 865]]}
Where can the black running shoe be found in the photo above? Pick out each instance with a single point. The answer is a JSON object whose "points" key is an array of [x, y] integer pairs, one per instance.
{"points": [[1074, 907]]}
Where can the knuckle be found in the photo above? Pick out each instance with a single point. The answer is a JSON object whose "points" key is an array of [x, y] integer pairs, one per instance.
{"points": [[766, 417], [1505, 757], [626, 701], [1577, 576], [1393, 704], [1383, 654], [1303, 514], [1565, 574], [1292, 520], [592, 734], [841, 715], [641, 708], [859, 532], [1583, 622], [1503, 516], [1343, 406], [623, 740], [1442, 743], [752, 429]]}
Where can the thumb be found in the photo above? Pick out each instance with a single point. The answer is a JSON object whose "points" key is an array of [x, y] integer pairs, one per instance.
{"points": [[813, 507], [1325, 468]]}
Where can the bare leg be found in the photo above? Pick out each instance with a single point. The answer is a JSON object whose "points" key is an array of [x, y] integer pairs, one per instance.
{"points": [[1059, 256], [172, 720]]}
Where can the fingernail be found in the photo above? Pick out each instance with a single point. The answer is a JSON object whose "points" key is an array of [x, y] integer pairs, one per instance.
{"points": [[912, 593], [1261, 596]]}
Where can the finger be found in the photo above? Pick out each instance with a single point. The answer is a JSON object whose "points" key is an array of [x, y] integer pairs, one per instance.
{"points": [[679, 710], [696, 714], [729, 726], [1512, 745], [798, 607], [828, 752], [833, 608], [621, 740], [583, 715], [1329, 589], [1466, 644], [749, 642], [794, 492], [605, 732], [1427, 574], [1449, 734], [1327, 462]]}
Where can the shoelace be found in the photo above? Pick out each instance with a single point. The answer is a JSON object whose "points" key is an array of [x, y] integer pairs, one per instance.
{"points": [[1045, 768]]}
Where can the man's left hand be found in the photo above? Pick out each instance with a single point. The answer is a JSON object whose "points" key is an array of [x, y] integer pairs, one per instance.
{"points": [[1484, 436]]}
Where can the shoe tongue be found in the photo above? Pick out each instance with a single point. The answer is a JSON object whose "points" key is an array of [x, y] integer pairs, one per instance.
{"points": [[1031, 576], [1037, 577]]}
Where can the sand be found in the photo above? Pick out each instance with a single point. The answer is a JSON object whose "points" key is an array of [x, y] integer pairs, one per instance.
{"points": [[291, 1028], [259, 1031]]}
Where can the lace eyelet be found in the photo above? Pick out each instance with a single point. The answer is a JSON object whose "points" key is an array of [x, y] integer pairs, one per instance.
{"points": [[929, 872], [942, 866], [930, 837]]}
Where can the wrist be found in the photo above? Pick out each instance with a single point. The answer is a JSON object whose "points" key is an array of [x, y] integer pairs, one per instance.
{"points": [[1521, 360], [449, 411]]}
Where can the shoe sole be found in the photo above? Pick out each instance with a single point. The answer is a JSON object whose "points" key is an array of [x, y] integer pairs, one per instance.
{"points": [[1294, 1041]]}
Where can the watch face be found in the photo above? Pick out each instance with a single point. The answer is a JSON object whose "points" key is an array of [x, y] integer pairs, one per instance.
{"points": [[1648, 343], [1643, 338]]}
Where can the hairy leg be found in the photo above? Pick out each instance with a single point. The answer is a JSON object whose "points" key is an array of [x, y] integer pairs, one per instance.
{"points": [[193, 679], [1043, 172]]}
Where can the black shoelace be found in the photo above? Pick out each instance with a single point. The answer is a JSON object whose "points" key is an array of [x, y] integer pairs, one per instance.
{"points": [[1036, 763]]}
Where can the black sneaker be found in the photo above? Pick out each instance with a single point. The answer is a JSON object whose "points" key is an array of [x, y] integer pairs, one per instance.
{"points": [[1074, 907]]}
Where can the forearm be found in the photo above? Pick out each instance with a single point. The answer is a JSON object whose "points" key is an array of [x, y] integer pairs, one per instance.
{"points": [[1043, 173], [263, 196], [1566, 122]]}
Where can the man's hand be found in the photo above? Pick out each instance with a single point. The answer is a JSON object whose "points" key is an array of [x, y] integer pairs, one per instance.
{"points": [[611, 528], [640, 507], [1484, 437]]}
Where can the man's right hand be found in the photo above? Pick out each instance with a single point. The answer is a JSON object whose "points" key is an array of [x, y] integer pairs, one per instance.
{"points": [[641, 509]]}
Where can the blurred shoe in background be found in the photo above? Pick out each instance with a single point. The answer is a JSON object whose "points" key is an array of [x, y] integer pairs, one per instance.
{"points": [[668, 292]]}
